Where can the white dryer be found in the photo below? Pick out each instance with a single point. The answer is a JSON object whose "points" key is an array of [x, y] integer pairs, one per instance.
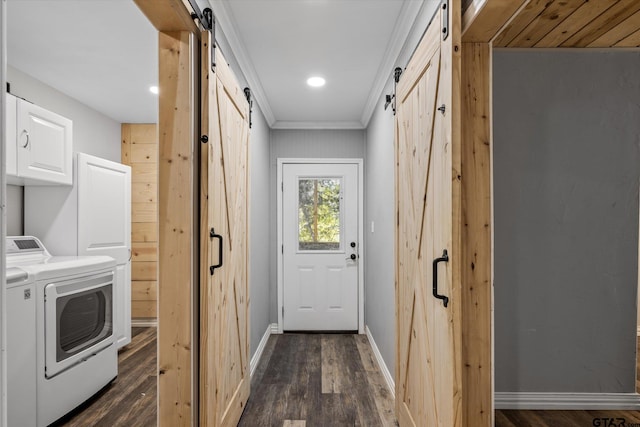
{"points": [[60, 338]]}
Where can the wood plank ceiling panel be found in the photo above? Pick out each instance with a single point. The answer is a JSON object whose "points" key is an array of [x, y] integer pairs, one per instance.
{"points": [[483, 20], [572, 23], [520, 22], [580, 18], [554, 13], [604, 23], [633, 40], [619, 32]]}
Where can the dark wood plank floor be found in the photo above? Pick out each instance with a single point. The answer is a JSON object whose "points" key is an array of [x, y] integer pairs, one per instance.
{"points": [[318, 380], [301, 381], [566, 418], [130, 400]]}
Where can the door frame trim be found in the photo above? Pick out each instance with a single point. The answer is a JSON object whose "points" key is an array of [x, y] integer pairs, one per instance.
{"points": [[280, 240]]}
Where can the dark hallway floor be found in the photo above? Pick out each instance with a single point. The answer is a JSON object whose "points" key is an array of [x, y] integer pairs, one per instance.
{"points": [[318, 380], [302, 380]]}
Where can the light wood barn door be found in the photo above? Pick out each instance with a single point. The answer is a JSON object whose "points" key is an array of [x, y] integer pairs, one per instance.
{"points": [[224, 327], [428, 384]]}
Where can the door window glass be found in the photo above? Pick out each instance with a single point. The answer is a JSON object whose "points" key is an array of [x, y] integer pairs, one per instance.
{"points": [[319, 219]]}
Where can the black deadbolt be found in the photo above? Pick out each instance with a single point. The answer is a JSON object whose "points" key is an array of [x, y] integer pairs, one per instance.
{"points": [[353, 244]]}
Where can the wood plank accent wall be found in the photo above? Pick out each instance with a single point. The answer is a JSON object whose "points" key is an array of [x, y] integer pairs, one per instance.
{"points": [[477, 285], [140, 151]]}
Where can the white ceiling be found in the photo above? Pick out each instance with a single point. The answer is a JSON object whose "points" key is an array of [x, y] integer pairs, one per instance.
{"points": [[351, 43], [104, 54], [101, 52]]}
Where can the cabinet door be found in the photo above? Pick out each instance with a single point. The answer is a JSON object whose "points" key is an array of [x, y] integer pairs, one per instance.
{"points": [[11, 135], [44, 145], [104, 208]]}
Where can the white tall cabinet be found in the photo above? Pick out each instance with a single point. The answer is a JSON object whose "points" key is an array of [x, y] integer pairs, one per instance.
{"points": [[93, 217]]}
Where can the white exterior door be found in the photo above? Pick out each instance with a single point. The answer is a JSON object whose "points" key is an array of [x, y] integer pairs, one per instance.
{"points": [[320, 233]]}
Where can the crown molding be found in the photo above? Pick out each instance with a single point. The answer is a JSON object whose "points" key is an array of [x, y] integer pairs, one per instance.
{"points": [[318, 125], [404, 24], [224, 17]]}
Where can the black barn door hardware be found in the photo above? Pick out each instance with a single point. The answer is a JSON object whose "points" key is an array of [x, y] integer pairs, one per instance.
{"points": [[207, 20], [390, 99], [445, 19], [211, 26], [247, 94], [213, 235], [443, 258]]}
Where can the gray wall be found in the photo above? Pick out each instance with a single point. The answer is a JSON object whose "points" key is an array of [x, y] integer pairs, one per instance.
{"points": [[93, 132], [379, 179], [15, 219], [566, 172], [304, 144], [379, 245], [260, 228]]}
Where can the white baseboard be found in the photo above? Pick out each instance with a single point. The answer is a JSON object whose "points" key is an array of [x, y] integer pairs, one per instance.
{"points": [[391, 384], [151, 322], [263, 342], [567, 401]]}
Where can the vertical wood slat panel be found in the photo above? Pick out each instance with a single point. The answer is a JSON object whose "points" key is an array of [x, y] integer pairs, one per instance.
{"points": [[125, 151], [176, 231], [477, 289], [140, 151]]}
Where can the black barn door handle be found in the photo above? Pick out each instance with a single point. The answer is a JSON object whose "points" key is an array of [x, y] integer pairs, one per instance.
{"points": [[443, 258], [213, 235]]}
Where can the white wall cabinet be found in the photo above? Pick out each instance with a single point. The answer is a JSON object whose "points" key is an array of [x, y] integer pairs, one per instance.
{"points": [[93, 217], [39, 145]]}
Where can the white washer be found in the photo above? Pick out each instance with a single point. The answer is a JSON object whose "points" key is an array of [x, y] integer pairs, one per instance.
{"points": [[60, 341]]}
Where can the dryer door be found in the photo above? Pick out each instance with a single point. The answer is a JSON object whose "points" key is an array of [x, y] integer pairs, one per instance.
{"points": [[78, 318]]}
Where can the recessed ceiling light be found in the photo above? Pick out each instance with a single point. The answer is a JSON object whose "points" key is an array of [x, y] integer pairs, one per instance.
{"points": [[154, 89], [316, 81]]}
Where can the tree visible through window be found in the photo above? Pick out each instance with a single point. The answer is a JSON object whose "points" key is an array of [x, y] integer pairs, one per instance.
{"points": [[319, 214]]}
